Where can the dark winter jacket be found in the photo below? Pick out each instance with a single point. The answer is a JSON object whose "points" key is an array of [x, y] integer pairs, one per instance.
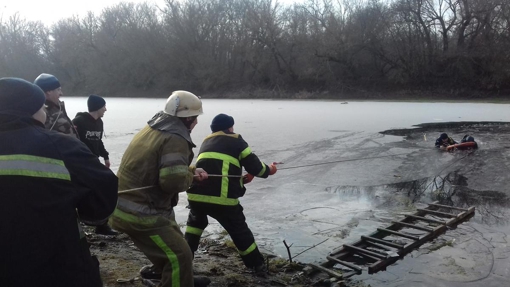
{"points": [[439, 142], [225, 154], [90, 132], [49, 181], [57, 119]]}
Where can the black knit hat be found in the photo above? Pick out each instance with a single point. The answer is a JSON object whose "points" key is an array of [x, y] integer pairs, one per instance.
{"points": [[20, 96], [47, 82], [95, 102], [221, 122], [443, 136]]}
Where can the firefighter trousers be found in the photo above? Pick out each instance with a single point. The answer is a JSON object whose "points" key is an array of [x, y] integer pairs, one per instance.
{"points": [[233, 220], [161, 240]]}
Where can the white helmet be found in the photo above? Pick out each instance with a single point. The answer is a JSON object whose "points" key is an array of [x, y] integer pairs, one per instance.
{"points": [[183, 104]]}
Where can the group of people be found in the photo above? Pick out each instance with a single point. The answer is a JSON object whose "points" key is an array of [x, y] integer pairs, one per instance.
{"points": [[447, 143], [52, 181]]}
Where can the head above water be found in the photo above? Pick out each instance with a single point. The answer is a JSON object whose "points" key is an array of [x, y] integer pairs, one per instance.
{"points": [[443, 136], [21, 97], [222, 122]]}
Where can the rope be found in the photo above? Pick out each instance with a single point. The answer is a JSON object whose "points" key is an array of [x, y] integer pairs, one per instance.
{"points": [[344, 160]]}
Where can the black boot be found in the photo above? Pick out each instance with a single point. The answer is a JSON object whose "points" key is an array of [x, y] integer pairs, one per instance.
{"points": [[150, 272], [105, 229], [200, 281]]}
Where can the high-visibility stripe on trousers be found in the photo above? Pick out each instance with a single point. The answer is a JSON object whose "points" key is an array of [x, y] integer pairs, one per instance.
{"points": [[161, 240]]}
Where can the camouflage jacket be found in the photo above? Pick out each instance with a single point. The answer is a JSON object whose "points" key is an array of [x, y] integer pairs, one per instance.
{"points": [[57, 119]]}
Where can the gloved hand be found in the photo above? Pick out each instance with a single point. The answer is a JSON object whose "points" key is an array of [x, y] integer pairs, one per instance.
{"points": [[247, 178], [272, 168]]}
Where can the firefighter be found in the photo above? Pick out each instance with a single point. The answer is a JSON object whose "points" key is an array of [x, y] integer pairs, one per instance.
{"points": [[153, 171], [49, 181], [225, 153]]}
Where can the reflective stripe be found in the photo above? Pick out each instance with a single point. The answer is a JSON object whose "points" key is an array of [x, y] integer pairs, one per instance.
{"points": [[194, 230], [220, 156], [174, 170], [176, 278], [213, 199], [173, 159], [224, 180], [249, 250], [33, 166], [246, 152], [263, 169], [149, 220]]}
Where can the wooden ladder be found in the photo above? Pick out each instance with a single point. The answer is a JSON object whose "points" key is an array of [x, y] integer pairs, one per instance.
{"points": [[387, 245]]}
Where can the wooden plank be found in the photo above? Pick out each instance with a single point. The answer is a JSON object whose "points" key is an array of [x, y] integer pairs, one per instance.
{"points": [[428, 229], [398, 234], [344, 263], [326, 270], [361, 250], [380, 246], [382, 241], [437, 212], [426, 219]]}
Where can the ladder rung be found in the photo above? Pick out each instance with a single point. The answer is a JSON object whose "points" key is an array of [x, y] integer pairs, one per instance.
{"points": [[399, 234], [350, 265], [380, 246], [368, 256], [381, 241], [326, 270], [361, 250], [437, 212], [426, 219], [447, 206], [428, 229]]}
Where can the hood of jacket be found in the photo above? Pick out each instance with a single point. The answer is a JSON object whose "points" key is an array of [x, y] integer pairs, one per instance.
{"points": [[171, 124]]}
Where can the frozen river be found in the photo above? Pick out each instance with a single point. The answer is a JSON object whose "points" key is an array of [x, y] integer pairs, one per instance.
{"points": [[318, 198]]}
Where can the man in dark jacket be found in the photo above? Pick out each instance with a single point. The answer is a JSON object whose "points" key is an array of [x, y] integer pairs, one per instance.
{"points": [[443, 141], [49, 181], [90, 130], [225, 153]]}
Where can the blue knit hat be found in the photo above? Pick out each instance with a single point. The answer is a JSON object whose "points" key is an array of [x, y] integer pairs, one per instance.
{"points": [[95, 102], [20, 96], [47, 82], [221, 122]]}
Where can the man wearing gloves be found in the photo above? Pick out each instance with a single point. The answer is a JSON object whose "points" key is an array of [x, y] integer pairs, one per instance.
{"points": [[48, 180], [90, 131], [225, 153], [56, 115], [154, 169]]}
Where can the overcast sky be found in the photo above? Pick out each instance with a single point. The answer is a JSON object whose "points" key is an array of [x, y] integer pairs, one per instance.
{"points": [[50, 11]]}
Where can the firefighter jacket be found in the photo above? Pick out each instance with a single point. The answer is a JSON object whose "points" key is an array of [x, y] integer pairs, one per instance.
{"points": [[90, 131], [225, 154], [57, 119], [48, 182], [155, 168]]}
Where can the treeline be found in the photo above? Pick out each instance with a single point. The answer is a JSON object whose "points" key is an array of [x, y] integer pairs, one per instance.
{"points": [[261, 48]]}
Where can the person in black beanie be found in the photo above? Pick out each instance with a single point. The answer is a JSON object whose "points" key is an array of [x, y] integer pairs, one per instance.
{"points": [[57, 118], [49, 180], [225, 153], [90, 131], [443, 141]]}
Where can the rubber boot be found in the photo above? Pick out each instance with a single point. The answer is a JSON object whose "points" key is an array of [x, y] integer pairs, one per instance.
{"points": [[105, 229], [200, 281]]}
